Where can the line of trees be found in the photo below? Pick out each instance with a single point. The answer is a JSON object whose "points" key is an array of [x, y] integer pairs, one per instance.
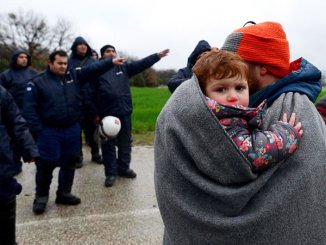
{"points": [[31, 32]]}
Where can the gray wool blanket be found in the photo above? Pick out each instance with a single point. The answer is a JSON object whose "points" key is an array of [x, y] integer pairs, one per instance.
{"points": [[207, 193]]}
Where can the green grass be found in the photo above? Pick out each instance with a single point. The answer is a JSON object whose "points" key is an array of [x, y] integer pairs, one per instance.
{"points": [[322, 94], [147, 104]]}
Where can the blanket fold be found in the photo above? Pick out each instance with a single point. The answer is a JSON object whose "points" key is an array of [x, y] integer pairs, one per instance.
{"points": [[207, 192]]}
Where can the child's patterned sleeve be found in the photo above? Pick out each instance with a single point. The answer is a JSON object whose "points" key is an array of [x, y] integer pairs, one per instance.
{"points": [[265, 148]]}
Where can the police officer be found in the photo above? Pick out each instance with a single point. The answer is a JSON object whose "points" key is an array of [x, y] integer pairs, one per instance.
{"points": [[15, 79], [185, 73], [52, 108], [13, 131], [82, 55], [113, 98]]}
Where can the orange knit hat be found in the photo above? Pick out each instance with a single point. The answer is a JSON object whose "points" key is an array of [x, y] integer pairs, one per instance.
{"points": [[264, 43]]}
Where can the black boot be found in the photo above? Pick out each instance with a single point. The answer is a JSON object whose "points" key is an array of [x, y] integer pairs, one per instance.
{"points": [[129, 173], [109, 180], [8, 221], [67, 199], [39, 204], [79, 162]]}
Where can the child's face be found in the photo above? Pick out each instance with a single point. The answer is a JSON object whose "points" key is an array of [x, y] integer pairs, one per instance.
{"points": [[228, 91]]}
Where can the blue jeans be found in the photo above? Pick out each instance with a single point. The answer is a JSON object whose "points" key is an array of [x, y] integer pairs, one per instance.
{"points": [[114, 164], [57, 147]]}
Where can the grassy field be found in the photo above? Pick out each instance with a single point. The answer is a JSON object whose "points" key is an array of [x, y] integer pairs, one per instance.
{"points": [[147, 103], [322, 94]]}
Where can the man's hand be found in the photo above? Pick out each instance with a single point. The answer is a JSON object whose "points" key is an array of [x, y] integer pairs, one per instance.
{"points": [[118, 61], [163, 53], [32, 160]]}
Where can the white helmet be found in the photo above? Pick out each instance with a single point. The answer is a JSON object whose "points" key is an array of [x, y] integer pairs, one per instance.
{"points": [[110, 127]]}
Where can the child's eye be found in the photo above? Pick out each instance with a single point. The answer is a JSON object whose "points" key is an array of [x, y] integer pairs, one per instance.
{"points": [[221, 89], [241, 88]]}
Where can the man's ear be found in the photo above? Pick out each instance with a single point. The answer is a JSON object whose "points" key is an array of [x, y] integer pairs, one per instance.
{"points": [[263, 70]]}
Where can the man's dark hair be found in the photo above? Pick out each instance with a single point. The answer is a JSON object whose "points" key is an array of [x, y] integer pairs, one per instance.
{"points": [[57, 52]]}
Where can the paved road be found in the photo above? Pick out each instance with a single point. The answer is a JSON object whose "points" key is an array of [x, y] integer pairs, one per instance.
{"points": [[124, 214]]}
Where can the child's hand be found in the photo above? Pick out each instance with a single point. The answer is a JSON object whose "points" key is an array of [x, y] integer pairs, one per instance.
{"points": [[298, 126]]}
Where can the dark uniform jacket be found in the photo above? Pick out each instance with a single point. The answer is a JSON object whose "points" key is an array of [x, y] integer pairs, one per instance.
{"points": [[13, 131], [185, 73], [15, 78], [55, 101], [113, 96], [87, 90]]}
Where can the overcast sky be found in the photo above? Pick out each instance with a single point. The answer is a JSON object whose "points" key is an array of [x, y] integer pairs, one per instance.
{"points": [[143, 27]]}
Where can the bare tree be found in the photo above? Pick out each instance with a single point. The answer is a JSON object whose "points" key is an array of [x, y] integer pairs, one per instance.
{"points": [[30, 32], [24, 31], [62, 36]]}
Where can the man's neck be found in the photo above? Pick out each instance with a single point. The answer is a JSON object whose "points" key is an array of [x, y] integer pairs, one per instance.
{"points": [[81, 55], [267, 80]]}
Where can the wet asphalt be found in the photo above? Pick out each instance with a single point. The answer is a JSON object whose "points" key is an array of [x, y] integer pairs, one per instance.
{"points": [[126, 213]]}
